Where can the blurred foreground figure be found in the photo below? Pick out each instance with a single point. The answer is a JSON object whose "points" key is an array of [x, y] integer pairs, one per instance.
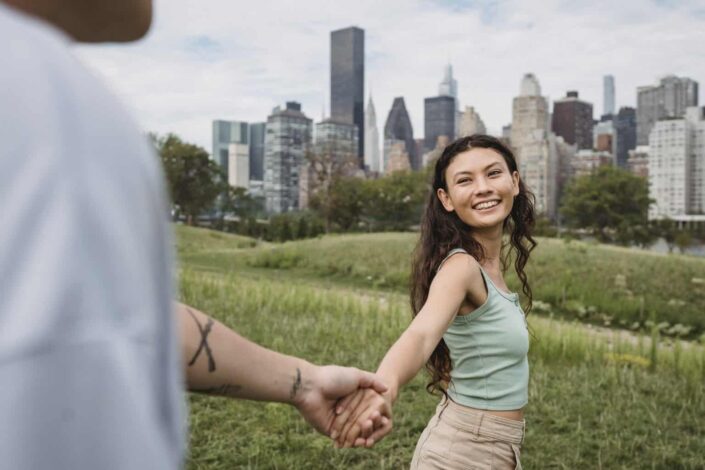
{"points": [[93, 351]]}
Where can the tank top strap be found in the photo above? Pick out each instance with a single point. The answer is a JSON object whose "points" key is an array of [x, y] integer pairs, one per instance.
{"points": [[492, 287], [451, 253]]}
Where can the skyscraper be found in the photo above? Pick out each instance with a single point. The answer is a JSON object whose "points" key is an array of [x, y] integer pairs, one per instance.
{"points": [[529, 85], [538, 151], [625, 135], [224, 134], [677, 167], [608, 94], [287, 142], [587, 161], [668, 99], [572, 120], [239, 165], [347, 80], [397, 157], [397, 129], [257, 133], [638, 161], [529, 112], [603, 135], [337, 139], [334, 155], [449, 85], [470, 123], [238, 148], [439, 119], [372, 138]]}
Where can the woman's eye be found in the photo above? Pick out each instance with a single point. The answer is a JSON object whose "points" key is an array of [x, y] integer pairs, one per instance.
{"points": [[464, 180], [495, 172]]}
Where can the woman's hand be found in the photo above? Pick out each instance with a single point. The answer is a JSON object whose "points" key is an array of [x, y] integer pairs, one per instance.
{"points": [[362, 419]]}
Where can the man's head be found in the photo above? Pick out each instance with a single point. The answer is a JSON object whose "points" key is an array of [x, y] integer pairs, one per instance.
{"points": [[93, 20]]}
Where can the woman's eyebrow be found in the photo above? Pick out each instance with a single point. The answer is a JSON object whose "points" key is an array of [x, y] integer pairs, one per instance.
{"points": [[465, 172]]}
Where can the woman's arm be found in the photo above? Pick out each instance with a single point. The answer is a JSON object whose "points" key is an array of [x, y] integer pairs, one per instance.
{"points": [[459, 278]]}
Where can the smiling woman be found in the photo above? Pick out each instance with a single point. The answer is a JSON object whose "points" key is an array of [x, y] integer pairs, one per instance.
{"points": [[481, 188], [467, 328]]}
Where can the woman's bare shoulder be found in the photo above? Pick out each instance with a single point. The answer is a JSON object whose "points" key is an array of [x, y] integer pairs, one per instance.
{"points": [[464, 269]]}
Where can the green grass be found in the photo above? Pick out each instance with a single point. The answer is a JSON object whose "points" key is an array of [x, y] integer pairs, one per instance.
{"points": [[588, 402], [595, 401], [599, 284], [198, 240]]}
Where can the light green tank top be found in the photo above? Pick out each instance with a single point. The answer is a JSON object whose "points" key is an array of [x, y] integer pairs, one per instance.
{"points": [[488, 352]]}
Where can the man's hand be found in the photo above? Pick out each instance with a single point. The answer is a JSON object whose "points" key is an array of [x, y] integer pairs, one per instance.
{"points": [[321, 387]]}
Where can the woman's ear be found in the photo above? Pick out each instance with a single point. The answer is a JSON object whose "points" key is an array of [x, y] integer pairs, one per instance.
{"points": [[515, 183], [445, 200]]}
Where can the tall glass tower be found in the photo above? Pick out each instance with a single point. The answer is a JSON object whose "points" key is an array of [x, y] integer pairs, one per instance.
{"points": [[608, 94], [347, 80], [439, 119], [398, 130]]}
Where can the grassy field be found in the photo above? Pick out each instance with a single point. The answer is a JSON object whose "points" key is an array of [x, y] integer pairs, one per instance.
{"points": [[600, 284], [595, 401]]}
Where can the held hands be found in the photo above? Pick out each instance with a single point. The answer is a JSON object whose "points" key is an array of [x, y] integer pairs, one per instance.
{"points": [[362, 418], [317, 391]]}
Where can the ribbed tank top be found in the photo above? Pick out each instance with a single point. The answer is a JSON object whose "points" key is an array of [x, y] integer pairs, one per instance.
{"points": [[488, 352]]}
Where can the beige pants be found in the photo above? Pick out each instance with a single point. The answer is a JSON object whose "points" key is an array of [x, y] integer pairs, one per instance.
{"points": [[458, 437]]}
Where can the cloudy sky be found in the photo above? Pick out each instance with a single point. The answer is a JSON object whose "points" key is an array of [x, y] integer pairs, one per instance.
{"points": [[219, 59]]}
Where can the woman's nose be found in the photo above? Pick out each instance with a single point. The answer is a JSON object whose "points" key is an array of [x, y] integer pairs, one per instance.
{"points": [[481, 185]]}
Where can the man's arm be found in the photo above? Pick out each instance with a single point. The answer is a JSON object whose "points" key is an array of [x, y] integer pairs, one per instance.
{"points": [[219, 361]]}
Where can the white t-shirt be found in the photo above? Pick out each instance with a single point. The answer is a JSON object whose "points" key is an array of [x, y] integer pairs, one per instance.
{"points": [[90, 373]]}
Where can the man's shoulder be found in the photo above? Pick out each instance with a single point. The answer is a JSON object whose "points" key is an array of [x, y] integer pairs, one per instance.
{"points": [[39, 69], [28, 43], [43, 86]]}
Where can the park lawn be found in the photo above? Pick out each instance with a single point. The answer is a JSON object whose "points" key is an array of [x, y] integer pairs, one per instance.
{"points": [[595, 402], [599, 284]]}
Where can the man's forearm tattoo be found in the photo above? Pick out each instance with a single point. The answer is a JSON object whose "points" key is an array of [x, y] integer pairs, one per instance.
{"points": [[203, 346], [296, 385]]}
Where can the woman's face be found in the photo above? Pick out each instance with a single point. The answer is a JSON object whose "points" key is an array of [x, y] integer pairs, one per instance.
{"points": [[481, 188]]}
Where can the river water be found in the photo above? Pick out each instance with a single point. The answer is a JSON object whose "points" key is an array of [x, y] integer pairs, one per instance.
{"points": [[662, 247]]}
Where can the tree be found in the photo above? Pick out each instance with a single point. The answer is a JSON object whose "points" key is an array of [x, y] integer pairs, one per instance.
{"points": [[280, 227], [302, 230], [237, 201], [666, 229], [194, 180], [341, 205], [683, 240], [642, 235], [328, 163], [611, 202], [544, 227], [394, 202]]}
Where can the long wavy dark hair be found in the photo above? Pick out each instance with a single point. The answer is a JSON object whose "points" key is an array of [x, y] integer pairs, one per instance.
{"points": [[441, 231]]}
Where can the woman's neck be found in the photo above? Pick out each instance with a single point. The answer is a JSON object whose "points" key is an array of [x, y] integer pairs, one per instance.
{"points": [[491, 241]]}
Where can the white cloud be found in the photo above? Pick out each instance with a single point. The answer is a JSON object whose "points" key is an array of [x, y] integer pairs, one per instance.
{"points": [[222, 59]]}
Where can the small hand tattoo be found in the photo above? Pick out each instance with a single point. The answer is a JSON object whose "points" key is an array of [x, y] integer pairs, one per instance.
{"points": [[296, 385]]}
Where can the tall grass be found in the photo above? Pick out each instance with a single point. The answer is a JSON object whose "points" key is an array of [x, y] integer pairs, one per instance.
{"points": [[600, 284], [596, 401]]}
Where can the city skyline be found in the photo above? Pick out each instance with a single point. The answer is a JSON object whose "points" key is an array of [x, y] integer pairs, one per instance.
{"points": [[201, 64]]}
